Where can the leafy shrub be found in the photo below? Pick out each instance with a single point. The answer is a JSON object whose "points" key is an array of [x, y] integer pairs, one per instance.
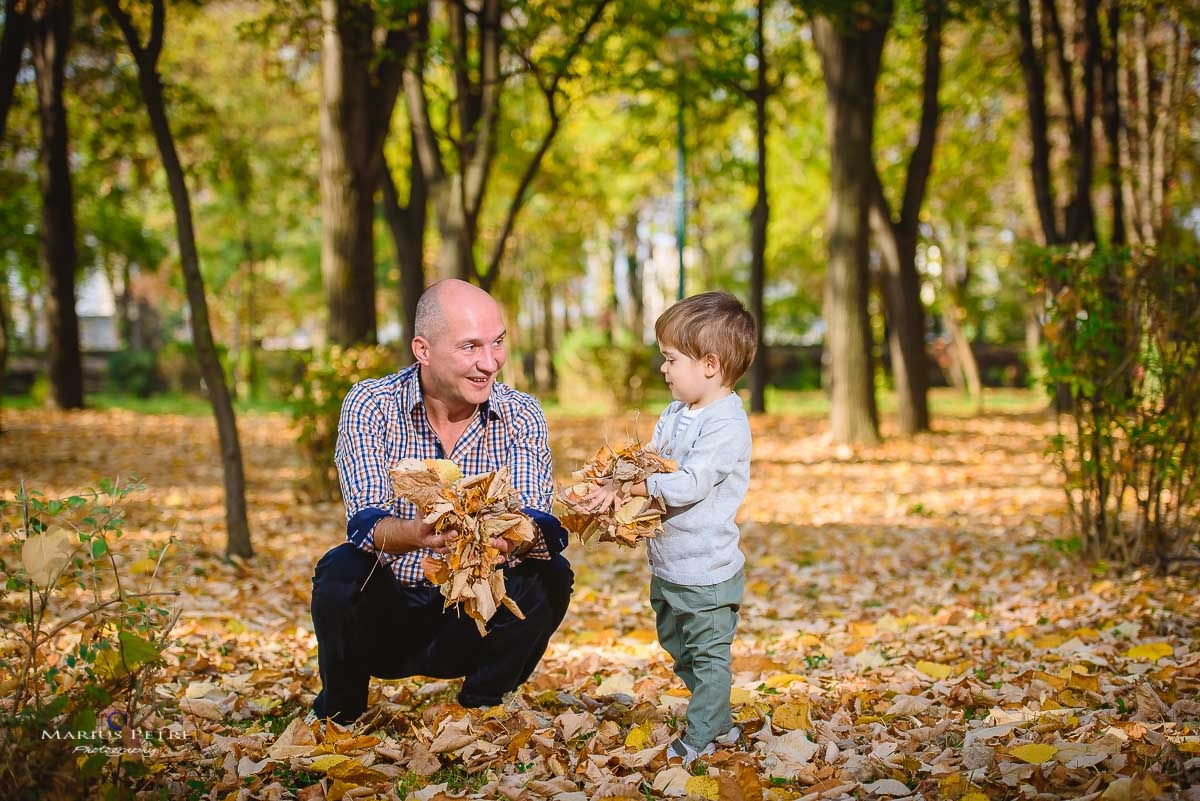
{"points": [[79, 651], [1122, 335], [593, 363], [318, 403], [134, 372]]}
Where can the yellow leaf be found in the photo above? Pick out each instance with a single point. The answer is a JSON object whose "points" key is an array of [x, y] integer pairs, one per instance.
{"points": [[782, 679], [143, 567], [974, 797], [323, 763], [1149, 652], [1033, 753], [935, 670], [1049, 641], [739, 696], [1190, 747], [792, 716], [354, 772], [638, 737], [678, 692], [704, 787], [45, 555]]}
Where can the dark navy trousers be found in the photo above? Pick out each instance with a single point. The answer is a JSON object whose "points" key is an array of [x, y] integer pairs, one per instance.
{"points": [[390, 631]]}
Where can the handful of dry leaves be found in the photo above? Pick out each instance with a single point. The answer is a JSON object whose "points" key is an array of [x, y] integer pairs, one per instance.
{"points": [[470, 511], [600, 502]]}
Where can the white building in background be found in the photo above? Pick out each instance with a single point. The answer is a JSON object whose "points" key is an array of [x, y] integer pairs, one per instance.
{"points": [[95, 305]]}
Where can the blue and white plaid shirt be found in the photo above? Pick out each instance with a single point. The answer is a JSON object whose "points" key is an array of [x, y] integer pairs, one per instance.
{"points": [[383, 421]]}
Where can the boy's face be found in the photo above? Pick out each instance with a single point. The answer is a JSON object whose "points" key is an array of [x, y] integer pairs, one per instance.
{"points": [[691, 381]]}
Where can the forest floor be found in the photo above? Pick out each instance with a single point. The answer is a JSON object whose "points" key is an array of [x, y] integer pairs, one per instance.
{"points": [[915, 625]]}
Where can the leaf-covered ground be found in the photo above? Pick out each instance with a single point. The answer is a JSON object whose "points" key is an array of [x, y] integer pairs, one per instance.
{"points": [[912, 628]]}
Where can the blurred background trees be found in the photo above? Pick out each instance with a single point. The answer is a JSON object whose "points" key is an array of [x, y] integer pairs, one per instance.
{"points": [[871, 182]]}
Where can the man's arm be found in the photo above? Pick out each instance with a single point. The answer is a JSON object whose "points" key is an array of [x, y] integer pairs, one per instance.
{"points": [[532, 469]]}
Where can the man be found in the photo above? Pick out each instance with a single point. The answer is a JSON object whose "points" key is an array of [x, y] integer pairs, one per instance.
{"points": [[373, 611]]}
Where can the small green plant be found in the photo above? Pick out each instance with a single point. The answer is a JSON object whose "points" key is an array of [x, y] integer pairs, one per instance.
{"points": [[1122, 354], [814, 661], [79, 648], [318, 403]]}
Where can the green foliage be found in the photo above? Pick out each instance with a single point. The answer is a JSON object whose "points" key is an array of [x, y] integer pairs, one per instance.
{"points": [[593, 363], [79, 649], [134, 372], [318, 403], [1123, 338]]}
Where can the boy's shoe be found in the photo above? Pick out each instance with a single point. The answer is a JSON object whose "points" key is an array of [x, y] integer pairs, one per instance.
{"points": [[680, 753], [729, 739]]}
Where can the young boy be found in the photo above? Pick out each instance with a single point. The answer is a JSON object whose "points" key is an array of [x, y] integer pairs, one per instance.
{"points": [[707, 342]]}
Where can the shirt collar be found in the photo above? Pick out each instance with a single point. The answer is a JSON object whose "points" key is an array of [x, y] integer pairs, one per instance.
{"points": [[412, 397]]}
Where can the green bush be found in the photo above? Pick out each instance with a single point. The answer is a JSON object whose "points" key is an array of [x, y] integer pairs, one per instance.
{"points": [[318, 402], [134, 372], [1122, 334], [592, 364], [80, 651]]}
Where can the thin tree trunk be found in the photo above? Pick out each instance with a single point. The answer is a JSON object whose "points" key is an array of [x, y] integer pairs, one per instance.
{"points": [[50, 42], [12, 48], [146, 56], [1110, 113], [1039, 126], [850, 60], [547, 376], [4, 340], [634, 279], [759, 217]]}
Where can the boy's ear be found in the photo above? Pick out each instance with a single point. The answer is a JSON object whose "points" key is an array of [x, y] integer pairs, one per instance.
{"points": [[712, 365]]}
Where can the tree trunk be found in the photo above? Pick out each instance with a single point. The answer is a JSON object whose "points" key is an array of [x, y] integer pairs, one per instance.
{"points": [[759, 218], [956, 275], [12, 48], [850, 60], [4, 341], [898, 246], [634, 279], [348, 179], [50, 40], [406, 223], [547, 376], [1110, 114], [237, 527]]}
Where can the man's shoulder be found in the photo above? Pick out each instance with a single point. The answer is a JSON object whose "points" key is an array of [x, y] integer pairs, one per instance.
{"points": [[514, 402], [378, 388]]}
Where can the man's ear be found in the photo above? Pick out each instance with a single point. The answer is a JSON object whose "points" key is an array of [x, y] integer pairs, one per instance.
{"points": [[420, 349]]}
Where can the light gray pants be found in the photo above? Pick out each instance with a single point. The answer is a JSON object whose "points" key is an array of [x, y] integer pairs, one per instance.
{"points": [[696, 626]]}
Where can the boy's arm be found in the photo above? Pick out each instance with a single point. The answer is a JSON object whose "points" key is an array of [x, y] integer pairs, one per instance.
{"points": [[712, 457]]}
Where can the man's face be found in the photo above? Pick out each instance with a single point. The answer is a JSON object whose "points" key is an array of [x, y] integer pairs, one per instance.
{"points": [[460, 360]]}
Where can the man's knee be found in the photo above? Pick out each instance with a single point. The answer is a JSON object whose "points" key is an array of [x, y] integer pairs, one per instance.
{"points": [[339, 574]]}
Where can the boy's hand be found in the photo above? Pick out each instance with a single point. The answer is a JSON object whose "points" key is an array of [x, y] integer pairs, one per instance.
{"points": [[601, 497]]}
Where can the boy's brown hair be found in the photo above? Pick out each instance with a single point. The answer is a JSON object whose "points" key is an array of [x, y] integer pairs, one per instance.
{"points": [[711, 322]]}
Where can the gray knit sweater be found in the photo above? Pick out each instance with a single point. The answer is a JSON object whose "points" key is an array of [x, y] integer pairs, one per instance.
{"points": [[699, 545]]}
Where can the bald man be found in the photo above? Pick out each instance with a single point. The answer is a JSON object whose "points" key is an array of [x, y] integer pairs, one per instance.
{"points": [[389, 622]]}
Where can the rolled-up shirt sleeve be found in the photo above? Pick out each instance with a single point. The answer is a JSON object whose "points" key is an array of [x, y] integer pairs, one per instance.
{"points": [[361, 460]]}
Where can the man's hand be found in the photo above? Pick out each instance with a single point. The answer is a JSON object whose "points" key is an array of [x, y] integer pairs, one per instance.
{"points": [[396, 536]]}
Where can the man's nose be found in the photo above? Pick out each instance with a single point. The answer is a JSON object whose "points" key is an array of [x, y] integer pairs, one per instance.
{"points": [[488, 361]]}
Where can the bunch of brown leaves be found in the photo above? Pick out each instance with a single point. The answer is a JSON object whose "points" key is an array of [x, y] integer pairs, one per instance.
{"points": [[471, 512], [601, 500]]}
